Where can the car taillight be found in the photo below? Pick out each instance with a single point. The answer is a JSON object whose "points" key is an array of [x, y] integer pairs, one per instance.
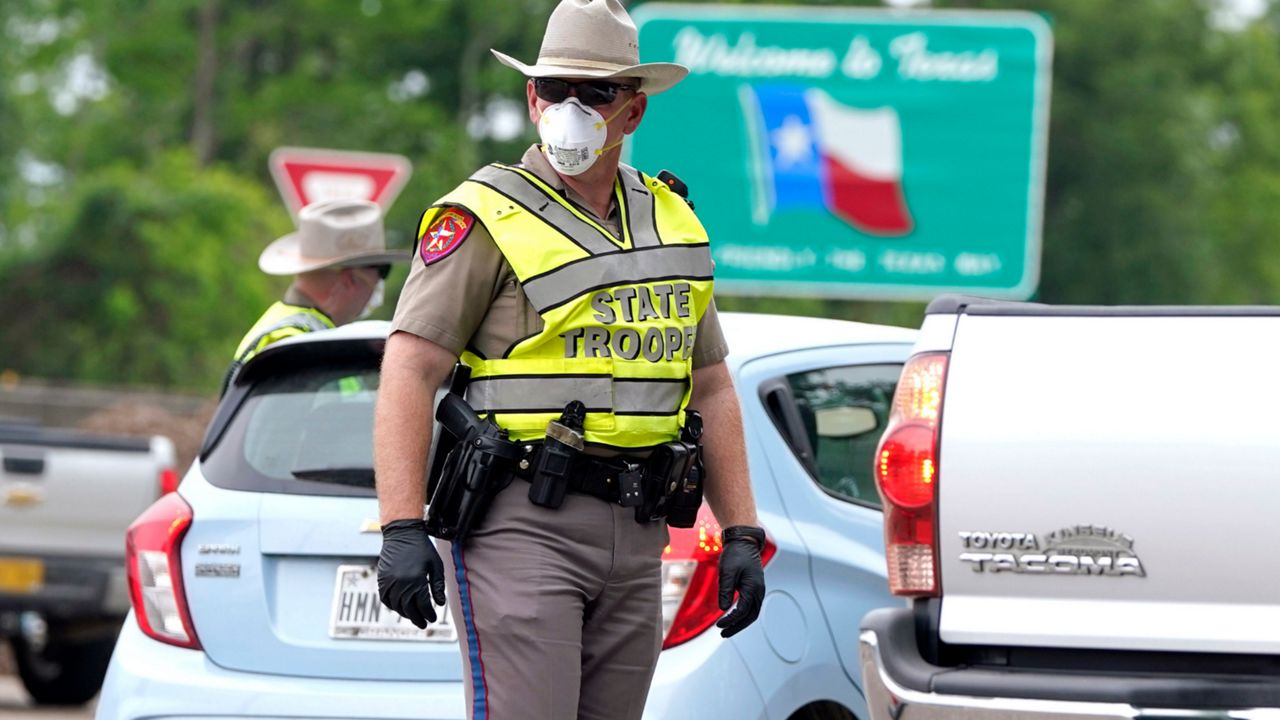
{"points": [[691, 579], [155, 571], [168, 481], [907, 476]]}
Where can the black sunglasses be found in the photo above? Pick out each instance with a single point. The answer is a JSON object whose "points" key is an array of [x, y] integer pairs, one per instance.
{"points": [[589, 92], [382, 270]]}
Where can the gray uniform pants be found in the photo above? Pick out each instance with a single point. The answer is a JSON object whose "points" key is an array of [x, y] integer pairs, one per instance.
{"points": [[559, 612]]}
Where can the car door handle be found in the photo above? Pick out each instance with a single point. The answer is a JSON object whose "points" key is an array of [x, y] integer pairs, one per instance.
{"points": [[24, 465]]}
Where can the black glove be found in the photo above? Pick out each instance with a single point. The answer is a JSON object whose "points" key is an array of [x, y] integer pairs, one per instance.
{"points": [[741, 570], [410, 571]]}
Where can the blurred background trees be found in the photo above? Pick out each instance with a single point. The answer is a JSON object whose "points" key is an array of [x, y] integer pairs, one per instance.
{"points": [[135, 197]]}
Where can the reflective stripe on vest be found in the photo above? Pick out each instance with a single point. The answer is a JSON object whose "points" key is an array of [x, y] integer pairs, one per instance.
{"points": [[664, 262], [620, 312], [541, 201], [279, 316], [600, 393]]}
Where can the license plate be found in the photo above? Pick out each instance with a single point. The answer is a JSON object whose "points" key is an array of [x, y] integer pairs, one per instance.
{"points": [[358, 614], [21, 575]]}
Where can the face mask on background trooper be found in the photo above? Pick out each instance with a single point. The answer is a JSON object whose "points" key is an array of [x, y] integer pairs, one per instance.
{"points": [[375, 300], [573, 135]]}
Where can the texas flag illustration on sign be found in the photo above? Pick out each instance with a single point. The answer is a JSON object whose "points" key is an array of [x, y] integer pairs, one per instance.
{"points": [[814, 151]]}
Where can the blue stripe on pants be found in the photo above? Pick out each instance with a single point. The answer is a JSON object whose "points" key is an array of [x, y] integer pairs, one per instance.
{"points": [[480, 706]]}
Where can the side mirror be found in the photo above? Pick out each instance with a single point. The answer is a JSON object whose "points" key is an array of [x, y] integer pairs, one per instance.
{"points": [[845, 422]]}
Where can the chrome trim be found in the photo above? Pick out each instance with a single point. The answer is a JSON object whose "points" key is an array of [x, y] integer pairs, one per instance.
{"points": [[218, 570], [887, 700]]}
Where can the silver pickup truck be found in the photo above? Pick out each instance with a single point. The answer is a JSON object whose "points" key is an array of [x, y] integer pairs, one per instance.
{"points": [[1081, 504], [66, 499]]}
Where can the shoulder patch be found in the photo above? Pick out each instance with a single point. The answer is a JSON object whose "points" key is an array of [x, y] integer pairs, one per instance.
{"points": [[445, 233]]}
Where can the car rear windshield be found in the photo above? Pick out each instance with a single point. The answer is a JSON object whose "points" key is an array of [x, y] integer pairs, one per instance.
{"points": [[308, 432]]}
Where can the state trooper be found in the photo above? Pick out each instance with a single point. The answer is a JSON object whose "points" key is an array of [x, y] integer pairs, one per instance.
{"points": [[340, 259], [565, 280]]}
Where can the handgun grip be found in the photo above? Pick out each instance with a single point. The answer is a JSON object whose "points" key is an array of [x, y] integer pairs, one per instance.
{"points": [[456, 415]]}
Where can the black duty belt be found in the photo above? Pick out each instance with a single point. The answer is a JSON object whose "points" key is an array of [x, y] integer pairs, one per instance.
{"points": [[590, 475]]}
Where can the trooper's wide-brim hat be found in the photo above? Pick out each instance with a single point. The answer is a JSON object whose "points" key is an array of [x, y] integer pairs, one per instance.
{"points": [[595, 39], [331, 234]]}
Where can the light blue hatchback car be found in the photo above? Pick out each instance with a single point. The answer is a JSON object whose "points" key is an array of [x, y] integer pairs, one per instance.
{"points": [[253, 588]]}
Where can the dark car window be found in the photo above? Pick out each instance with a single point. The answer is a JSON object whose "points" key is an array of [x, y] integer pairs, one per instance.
{"points": [[843, 411], [306, 432]]}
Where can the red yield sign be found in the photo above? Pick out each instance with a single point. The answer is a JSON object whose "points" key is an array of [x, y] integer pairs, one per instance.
{"points": [[307, 175]]}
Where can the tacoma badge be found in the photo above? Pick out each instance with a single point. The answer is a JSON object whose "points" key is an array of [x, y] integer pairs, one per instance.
{"points": [[1076, 550]]}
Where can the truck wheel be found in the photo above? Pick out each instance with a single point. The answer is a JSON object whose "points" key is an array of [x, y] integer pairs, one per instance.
{"points": [[64, 673]]}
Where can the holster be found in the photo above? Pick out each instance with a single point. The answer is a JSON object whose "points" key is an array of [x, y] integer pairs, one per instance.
{"points": [[673, 477], [560, 448], [466, 478]]}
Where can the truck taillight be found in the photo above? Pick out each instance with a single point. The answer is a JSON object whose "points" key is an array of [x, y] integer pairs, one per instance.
{"points": [[168, 481], [907, 476], [154, 563], [691, 579]]}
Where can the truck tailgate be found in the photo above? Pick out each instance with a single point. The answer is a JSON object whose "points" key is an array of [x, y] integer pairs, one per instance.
{"points": [[1111, 481], [76, 498]]}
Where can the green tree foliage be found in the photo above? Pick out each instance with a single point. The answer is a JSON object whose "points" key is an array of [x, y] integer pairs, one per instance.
{"points": [[1129, 159], [144, 280], [1245, 214], [138, 254], [8, 145], [343, 74]]}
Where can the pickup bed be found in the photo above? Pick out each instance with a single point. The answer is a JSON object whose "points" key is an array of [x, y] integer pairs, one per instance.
{"points": [[1081, 504], [66, 499]]}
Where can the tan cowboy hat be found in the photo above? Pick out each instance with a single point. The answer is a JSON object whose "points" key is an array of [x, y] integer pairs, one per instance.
{"points": [[595, 39], [331, 234]]}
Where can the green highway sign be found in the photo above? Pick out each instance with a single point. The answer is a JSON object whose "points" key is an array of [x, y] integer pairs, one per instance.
{"points": [[855, 153]]}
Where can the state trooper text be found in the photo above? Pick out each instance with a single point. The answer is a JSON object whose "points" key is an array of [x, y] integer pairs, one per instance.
{"points": [[636, 304]]}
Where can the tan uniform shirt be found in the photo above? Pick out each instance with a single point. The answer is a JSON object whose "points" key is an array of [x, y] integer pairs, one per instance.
{"points": [[472, 299]]}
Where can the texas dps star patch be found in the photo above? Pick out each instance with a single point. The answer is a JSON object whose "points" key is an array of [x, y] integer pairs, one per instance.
{"points": [[445, 233]]}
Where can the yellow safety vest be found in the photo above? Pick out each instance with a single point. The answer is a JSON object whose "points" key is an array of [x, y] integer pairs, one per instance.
{"points": [[280, 321], [620, 313]]}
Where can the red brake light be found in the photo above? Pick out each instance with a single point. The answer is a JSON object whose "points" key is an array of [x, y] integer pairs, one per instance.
{"points": [[905, 466], [907, 476], [152, 546], [168, 481], [691, 579]]}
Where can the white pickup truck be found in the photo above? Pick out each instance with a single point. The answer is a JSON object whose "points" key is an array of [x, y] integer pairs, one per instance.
{"points": [[1083, 506], [66, 499]]}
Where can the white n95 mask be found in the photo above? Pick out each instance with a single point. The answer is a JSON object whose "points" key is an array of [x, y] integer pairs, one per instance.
{"points": [[573, 135]]}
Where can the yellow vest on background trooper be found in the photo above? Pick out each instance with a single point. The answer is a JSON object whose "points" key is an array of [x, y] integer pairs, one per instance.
{"points": [[280, 321], [620, 313]]}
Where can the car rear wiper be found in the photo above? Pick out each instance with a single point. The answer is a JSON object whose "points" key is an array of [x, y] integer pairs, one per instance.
{"points": [[354, 476]]}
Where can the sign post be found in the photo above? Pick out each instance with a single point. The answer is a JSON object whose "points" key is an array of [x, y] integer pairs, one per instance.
{"points": [[856, 153], [307, 175]]}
